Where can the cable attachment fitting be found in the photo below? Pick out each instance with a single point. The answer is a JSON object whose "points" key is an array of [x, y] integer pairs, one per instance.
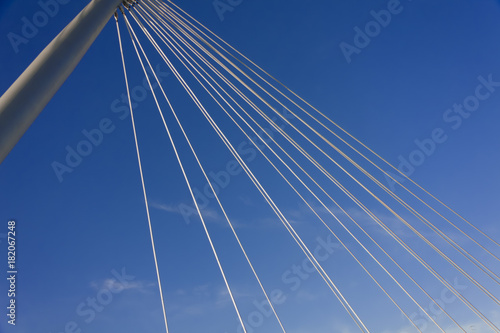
{"points": [[121, 10], [129, 3]]}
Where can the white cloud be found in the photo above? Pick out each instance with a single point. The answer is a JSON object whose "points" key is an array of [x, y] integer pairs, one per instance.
{"points": [[113, 284], [165, 207]]}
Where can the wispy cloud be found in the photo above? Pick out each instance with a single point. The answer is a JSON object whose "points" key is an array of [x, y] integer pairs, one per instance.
{"points": [[166, 207], [112, 284]]}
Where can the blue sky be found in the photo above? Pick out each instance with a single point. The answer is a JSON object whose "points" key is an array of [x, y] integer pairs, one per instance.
{"points": [[84, 235]]}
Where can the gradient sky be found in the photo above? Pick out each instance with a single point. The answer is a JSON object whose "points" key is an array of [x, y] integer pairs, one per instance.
{"points": [[76, 235]]}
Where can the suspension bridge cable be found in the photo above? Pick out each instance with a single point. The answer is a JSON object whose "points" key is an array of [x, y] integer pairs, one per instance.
{"points": [[454, 264], [331, 121], [257, 136], [445, 237], [188, 182], [303, 184], [420, 217], [250, 139], [211, 186], [291, 230], [316, 212], [266, 196], [436, 276], [142, 177]]}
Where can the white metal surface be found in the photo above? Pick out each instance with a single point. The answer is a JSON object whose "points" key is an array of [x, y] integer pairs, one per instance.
{"points": [[30, 93]]}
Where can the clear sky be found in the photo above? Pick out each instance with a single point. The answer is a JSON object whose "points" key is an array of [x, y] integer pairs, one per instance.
{"points": [[83, 235]]}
